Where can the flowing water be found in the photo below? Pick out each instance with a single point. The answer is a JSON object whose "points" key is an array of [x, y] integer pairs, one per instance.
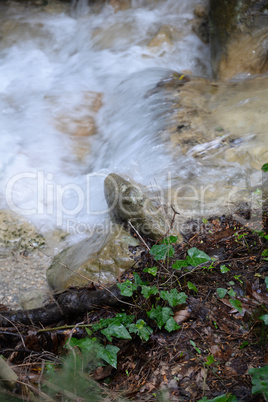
{"points": [[78, 100], [55, 68]]}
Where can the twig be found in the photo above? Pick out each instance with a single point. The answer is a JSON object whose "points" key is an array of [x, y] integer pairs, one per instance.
{"points": [[140, 237]]}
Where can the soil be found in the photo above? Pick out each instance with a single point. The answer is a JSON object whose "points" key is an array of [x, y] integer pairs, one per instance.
{"points": [[209, 355]]}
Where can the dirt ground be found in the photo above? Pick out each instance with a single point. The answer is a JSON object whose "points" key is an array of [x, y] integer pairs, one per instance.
{"points": [[209, 355]]}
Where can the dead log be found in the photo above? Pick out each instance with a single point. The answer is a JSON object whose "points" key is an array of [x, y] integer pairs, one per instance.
{"points": [[69, 304]]}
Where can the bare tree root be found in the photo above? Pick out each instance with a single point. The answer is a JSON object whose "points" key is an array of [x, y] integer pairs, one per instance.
{"points": [[71, 303]]}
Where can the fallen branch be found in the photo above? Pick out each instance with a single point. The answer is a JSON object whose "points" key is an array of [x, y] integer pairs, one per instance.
{"points": [[71, 303]]}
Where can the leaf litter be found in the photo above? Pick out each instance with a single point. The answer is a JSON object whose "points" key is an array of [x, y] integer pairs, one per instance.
{"points": [[218, 339]]}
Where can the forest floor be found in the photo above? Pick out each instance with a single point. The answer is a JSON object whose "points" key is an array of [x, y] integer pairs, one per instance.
{"points": [[219, 339]]}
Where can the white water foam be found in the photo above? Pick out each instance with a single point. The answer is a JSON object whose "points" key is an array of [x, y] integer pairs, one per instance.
{"points": [[47, 63]]}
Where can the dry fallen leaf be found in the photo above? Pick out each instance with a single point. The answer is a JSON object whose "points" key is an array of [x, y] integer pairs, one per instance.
{"points": [[181, 316]]}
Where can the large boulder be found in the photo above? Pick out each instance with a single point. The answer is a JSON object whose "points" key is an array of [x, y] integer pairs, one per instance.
{"points": [[239, 35], [100, 258], [128, 201]]}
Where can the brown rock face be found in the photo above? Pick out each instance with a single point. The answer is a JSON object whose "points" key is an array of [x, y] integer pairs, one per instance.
{"points": [[239, 35]]}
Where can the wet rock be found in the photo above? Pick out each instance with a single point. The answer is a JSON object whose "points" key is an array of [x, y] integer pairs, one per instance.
{"points": [[24, 258], [119, 5], [200, 25], [239, 35], [78, 123], [130, 202], [101, 258], [17, 235], [35, 298], [162, 38]]}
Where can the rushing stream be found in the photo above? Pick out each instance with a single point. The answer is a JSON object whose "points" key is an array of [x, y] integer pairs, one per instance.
{"points": [[78, 100], [56, 70]]}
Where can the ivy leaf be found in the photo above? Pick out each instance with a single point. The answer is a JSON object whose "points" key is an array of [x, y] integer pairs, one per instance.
{"points": [[170, 240], [161, 251], [137, 280], [171, 325], [119, 331], [236, 304], [147, 291], [196, 257], [179, 264], [85, 344], [173, 297], [142, 329], [127, 288], [152, 270], [264, 167], [266, 282], [160, 315], [120, 318], [259, 380], [264, 318], [231, 293], [191, 286], [109, 354], [224, 269], [221, 292]]}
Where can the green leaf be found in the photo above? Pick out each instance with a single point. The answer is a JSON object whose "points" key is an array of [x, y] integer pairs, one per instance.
{"points": [[210, 360], [231, 293], [264, 318], [191, 286], [173, 297], [109, 354], [170, 240], [119, 331], [196, 257], [237, 277], [244, 345], [85, 344], [160, 315], [120, 318], [266, 282], [171, 325], [88, 331], [142, 329], [236, 304], [152, 270], [127, 288], [161, 251], [147, 291], [137, 280], [264, 167], [221, 292], [194, 345], [259, 380], [179, 264], [264, 253], [224, 269]]}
